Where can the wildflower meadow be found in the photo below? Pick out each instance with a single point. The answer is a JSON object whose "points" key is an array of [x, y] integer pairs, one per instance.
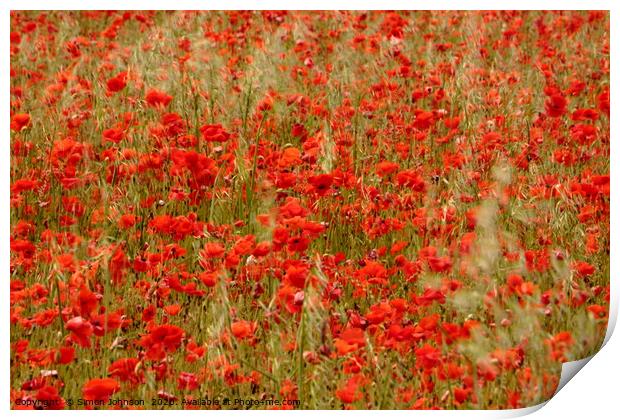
{"points": [[306, 210]]}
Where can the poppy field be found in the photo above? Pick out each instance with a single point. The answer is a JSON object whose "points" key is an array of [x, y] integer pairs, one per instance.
{"points": [[306, 210]]}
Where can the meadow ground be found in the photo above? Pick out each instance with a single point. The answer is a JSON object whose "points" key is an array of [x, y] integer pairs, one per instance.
{"points": [[310, 209]]}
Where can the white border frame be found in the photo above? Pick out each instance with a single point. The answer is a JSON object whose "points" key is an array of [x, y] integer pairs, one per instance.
{"points": [[7, 5]]}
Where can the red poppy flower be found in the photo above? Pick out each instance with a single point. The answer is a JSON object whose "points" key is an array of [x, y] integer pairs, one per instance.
{"points": [[321, 183], [290, 157], [65, 355], [598, 311], [19, 121], [213, 250], [81, 330], [50, 399], [555, 106], [113, 135], [584, 269], [157, 98], [118, 82], [126, 370], [350, 340], [350, 392], [427, 357], [243, 329], [100, 389], [161, 340], [214, 133], [188, 381], [411, 179]]}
